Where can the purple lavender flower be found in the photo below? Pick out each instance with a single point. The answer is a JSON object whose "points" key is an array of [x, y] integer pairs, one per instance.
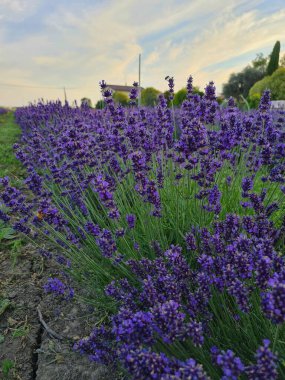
{"points": [[190, 241], [99, 346], [189, 87], [134, 93], [273, 301], [133, 328], [120, 232], [214, 200], [170, 81], [169, 321], [106, 243], [231, 102], [265, 103], [247, 184], [56, 287], [4, 216], [131, 219], [230, 364], [93, 229], [187, 370], [144, 364], [266, 364]]}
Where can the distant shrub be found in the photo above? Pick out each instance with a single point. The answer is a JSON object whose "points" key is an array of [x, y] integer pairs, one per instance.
{"points": [[179, 97], [86, 102], [275, 83], [254, 100], [100, 105], [149, 96], [121, 98]]}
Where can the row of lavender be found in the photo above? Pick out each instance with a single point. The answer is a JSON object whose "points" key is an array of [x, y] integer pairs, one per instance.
{"points": [[172, 220], [3, 111]]}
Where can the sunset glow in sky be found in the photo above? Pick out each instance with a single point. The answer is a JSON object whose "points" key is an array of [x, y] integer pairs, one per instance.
{"points": [[48, 44]]}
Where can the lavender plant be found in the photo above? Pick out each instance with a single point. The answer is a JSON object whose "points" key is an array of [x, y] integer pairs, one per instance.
{"points": [[172, 220]]}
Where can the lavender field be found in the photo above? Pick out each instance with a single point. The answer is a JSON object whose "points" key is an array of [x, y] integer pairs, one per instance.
{"points": [[171, 220]]}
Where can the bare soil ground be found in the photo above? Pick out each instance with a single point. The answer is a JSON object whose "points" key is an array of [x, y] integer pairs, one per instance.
{"points": [[23, 340]]}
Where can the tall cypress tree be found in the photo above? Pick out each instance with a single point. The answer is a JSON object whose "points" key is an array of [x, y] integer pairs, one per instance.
{"points": [[273, 63]]}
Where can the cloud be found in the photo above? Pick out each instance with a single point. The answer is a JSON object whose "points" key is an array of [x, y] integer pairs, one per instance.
{"points": [[46, 60], [15, 10], [77, 44]]}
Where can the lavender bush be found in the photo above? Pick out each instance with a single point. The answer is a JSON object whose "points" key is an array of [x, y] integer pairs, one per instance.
{"points": [[172, 220]]}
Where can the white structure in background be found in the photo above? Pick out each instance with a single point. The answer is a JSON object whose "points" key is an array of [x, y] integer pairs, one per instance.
{"points": [[278, 104]]}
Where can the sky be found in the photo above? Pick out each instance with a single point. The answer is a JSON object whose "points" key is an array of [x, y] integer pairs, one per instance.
{"points": [[46, 45]]}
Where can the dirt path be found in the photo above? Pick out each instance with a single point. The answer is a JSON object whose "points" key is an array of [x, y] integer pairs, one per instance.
{"points": [[27, 352]]}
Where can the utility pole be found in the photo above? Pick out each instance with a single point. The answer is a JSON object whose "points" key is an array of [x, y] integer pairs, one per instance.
{"points": [[65, 97], [139, 99]]}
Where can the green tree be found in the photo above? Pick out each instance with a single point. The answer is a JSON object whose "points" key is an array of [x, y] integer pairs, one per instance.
{"points": [[259, 87], [254, 100], [273, 63], [282, 61], [275, 83], [121, 98], [240, 83], [220, 99], [149, 96], [196, 90], [100, 104], [260, 63], [86, 102], [179, 97]]}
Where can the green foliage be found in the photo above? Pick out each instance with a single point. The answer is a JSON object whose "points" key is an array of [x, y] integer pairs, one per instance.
{"points": [[121, 98], [196, 90], [4, 304], [282, 61], [6, 366], [220, 99], [10, 133], [179, 97], [21, 331], [86, 102], [259, 87], [6, 232], [181, 212], [275, 82], [149, 96], [254, 100], [274, 59], [15, 250], [260, 63], [100, 105], [240, 83]]}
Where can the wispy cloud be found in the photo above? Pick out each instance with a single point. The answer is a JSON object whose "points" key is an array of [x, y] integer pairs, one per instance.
{"points": [[76, 44]]}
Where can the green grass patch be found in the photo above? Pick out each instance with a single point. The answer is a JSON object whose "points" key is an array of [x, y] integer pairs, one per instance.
{"points": [[10, 133]]}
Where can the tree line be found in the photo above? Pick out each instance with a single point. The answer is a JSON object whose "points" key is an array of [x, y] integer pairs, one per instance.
{"points": [[262, 73], [245, 86]]}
